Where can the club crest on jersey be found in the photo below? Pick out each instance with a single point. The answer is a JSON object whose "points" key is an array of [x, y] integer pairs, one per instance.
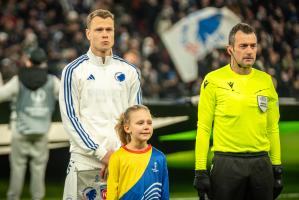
{"points": [[262, 103], [89, 193], [119, 76]]}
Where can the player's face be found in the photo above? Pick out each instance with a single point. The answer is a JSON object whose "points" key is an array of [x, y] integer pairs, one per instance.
{"points": [[245, 49], [101, 35], [140, 126]]}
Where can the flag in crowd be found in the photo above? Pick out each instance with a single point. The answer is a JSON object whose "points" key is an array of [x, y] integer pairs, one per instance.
{"points": [[194, 36]]}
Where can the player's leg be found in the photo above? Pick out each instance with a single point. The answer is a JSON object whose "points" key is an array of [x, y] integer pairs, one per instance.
{"points": [[228, 178], [18, 163], [39, 158], [70, 185], [78, 163], [261, 179]]}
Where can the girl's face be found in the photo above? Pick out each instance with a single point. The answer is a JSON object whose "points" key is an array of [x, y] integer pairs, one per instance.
{"points": [[140, 126]]}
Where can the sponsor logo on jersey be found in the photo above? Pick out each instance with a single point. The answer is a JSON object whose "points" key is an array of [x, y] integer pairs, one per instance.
{"points": [[231, 84], [120, 76], [205, 83], [91, 77]]}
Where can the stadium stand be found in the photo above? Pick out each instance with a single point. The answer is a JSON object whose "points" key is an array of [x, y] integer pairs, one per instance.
{"points": [[58, 26]]}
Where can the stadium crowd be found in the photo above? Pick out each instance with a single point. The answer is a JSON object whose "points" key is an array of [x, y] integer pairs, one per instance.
{"points": [[58, 27]]}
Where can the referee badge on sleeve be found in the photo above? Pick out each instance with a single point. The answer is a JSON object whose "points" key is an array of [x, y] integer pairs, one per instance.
{"points": [[263, 103]]}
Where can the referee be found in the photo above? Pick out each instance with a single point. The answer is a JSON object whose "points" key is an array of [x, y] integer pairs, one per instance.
{"points": [[239, 105]]}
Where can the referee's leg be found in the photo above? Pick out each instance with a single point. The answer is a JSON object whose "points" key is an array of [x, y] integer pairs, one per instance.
{"points": [[228, 177], [261, 179]]}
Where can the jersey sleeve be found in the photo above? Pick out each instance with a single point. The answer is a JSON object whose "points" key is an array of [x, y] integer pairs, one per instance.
{"points": [[69, 107], [56, 86], [206, 108], [165, 182], [135, 96], [113, 177], [10, 89], [272, 126]]}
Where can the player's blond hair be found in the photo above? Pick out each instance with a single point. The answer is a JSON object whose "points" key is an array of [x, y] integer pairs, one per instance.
{"points": [[98, 13], [124, 119]]}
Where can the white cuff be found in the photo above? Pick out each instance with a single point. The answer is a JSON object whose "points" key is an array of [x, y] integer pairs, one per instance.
{"points": [[100, 152]]}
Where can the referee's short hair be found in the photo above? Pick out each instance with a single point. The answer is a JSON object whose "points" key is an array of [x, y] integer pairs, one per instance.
{"points": [[245, 28]]}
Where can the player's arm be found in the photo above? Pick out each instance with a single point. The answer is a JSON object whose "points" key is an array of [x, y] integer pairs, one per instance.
{"points": [[10, 89], [272, 127], [206, 107], [135, 96], [273, 135], [69, 108], [113, 178]]}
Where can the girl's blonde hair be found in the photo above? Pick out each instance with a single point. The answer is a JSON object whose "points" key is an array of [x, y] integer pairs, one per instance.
{"points": [[124, 119]]}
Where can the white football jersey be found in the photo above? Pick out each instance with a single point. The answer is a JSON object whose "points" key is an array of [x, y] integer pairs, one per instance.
{"points": [[92, 96]]}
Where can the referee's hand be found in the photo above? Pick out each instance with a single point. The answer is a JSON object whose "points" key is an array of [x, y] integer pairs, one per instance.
{"points": [[278, 184], [202, 183]]}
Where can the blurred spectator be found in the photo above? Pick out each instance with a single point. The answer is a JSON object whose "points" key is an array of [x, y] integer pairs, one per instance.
{"points": [[171, 88], [295, 87], [27, 24], [8, 69], [150, 80], [33, 95]]}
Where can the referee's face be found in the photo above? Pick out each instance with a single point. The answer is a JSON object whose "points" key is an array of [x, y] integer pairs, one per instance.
{"points": [[245, 48], [101, 35]]}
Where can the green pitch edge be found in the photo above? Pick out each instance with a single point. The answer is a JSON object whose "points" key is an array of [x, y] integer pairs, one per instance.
{"points": [[284, 127], [185, 159]]}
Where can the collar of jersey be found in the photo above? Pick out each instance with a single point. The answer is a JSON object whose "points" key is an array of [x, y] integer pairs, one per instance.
{"points": [[98, 60], [149, 147], [236, 75]]}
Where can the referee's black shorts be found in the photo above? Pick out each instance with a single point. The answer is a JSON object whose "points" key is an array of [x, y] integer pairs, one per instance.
{"points": [[242, 176]]}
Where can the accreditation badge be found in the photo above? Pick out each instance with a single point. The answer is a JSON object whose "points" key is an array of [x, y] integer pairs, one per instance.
{"points": [[262, 102]]}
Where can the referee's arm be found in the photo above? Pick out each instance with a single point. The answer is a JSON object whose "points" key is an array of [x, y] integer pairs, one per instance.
{"points": [[272, 127], [206, 108]]}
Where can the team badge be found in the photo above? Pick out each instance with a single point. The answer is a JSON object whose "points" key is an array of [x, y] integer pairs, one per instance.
{"points": [[89, 193], [262, 103], [120, 76]]}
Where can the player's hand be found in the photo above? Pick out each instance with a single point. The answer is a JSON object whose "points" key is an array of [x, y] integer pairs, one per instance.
{"points": [[104, 172], [278, 184], [104, 169], [105, 159], [202, 182]]}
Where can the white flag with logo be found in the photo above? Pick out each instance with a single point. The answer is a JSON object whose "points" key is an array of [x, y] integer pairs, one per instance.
{"points": [[197, 34]]}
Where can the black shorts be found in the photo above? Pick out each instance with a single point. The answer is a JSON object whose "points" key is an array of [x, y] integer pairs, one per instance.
{"points": [[242, 176]]}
